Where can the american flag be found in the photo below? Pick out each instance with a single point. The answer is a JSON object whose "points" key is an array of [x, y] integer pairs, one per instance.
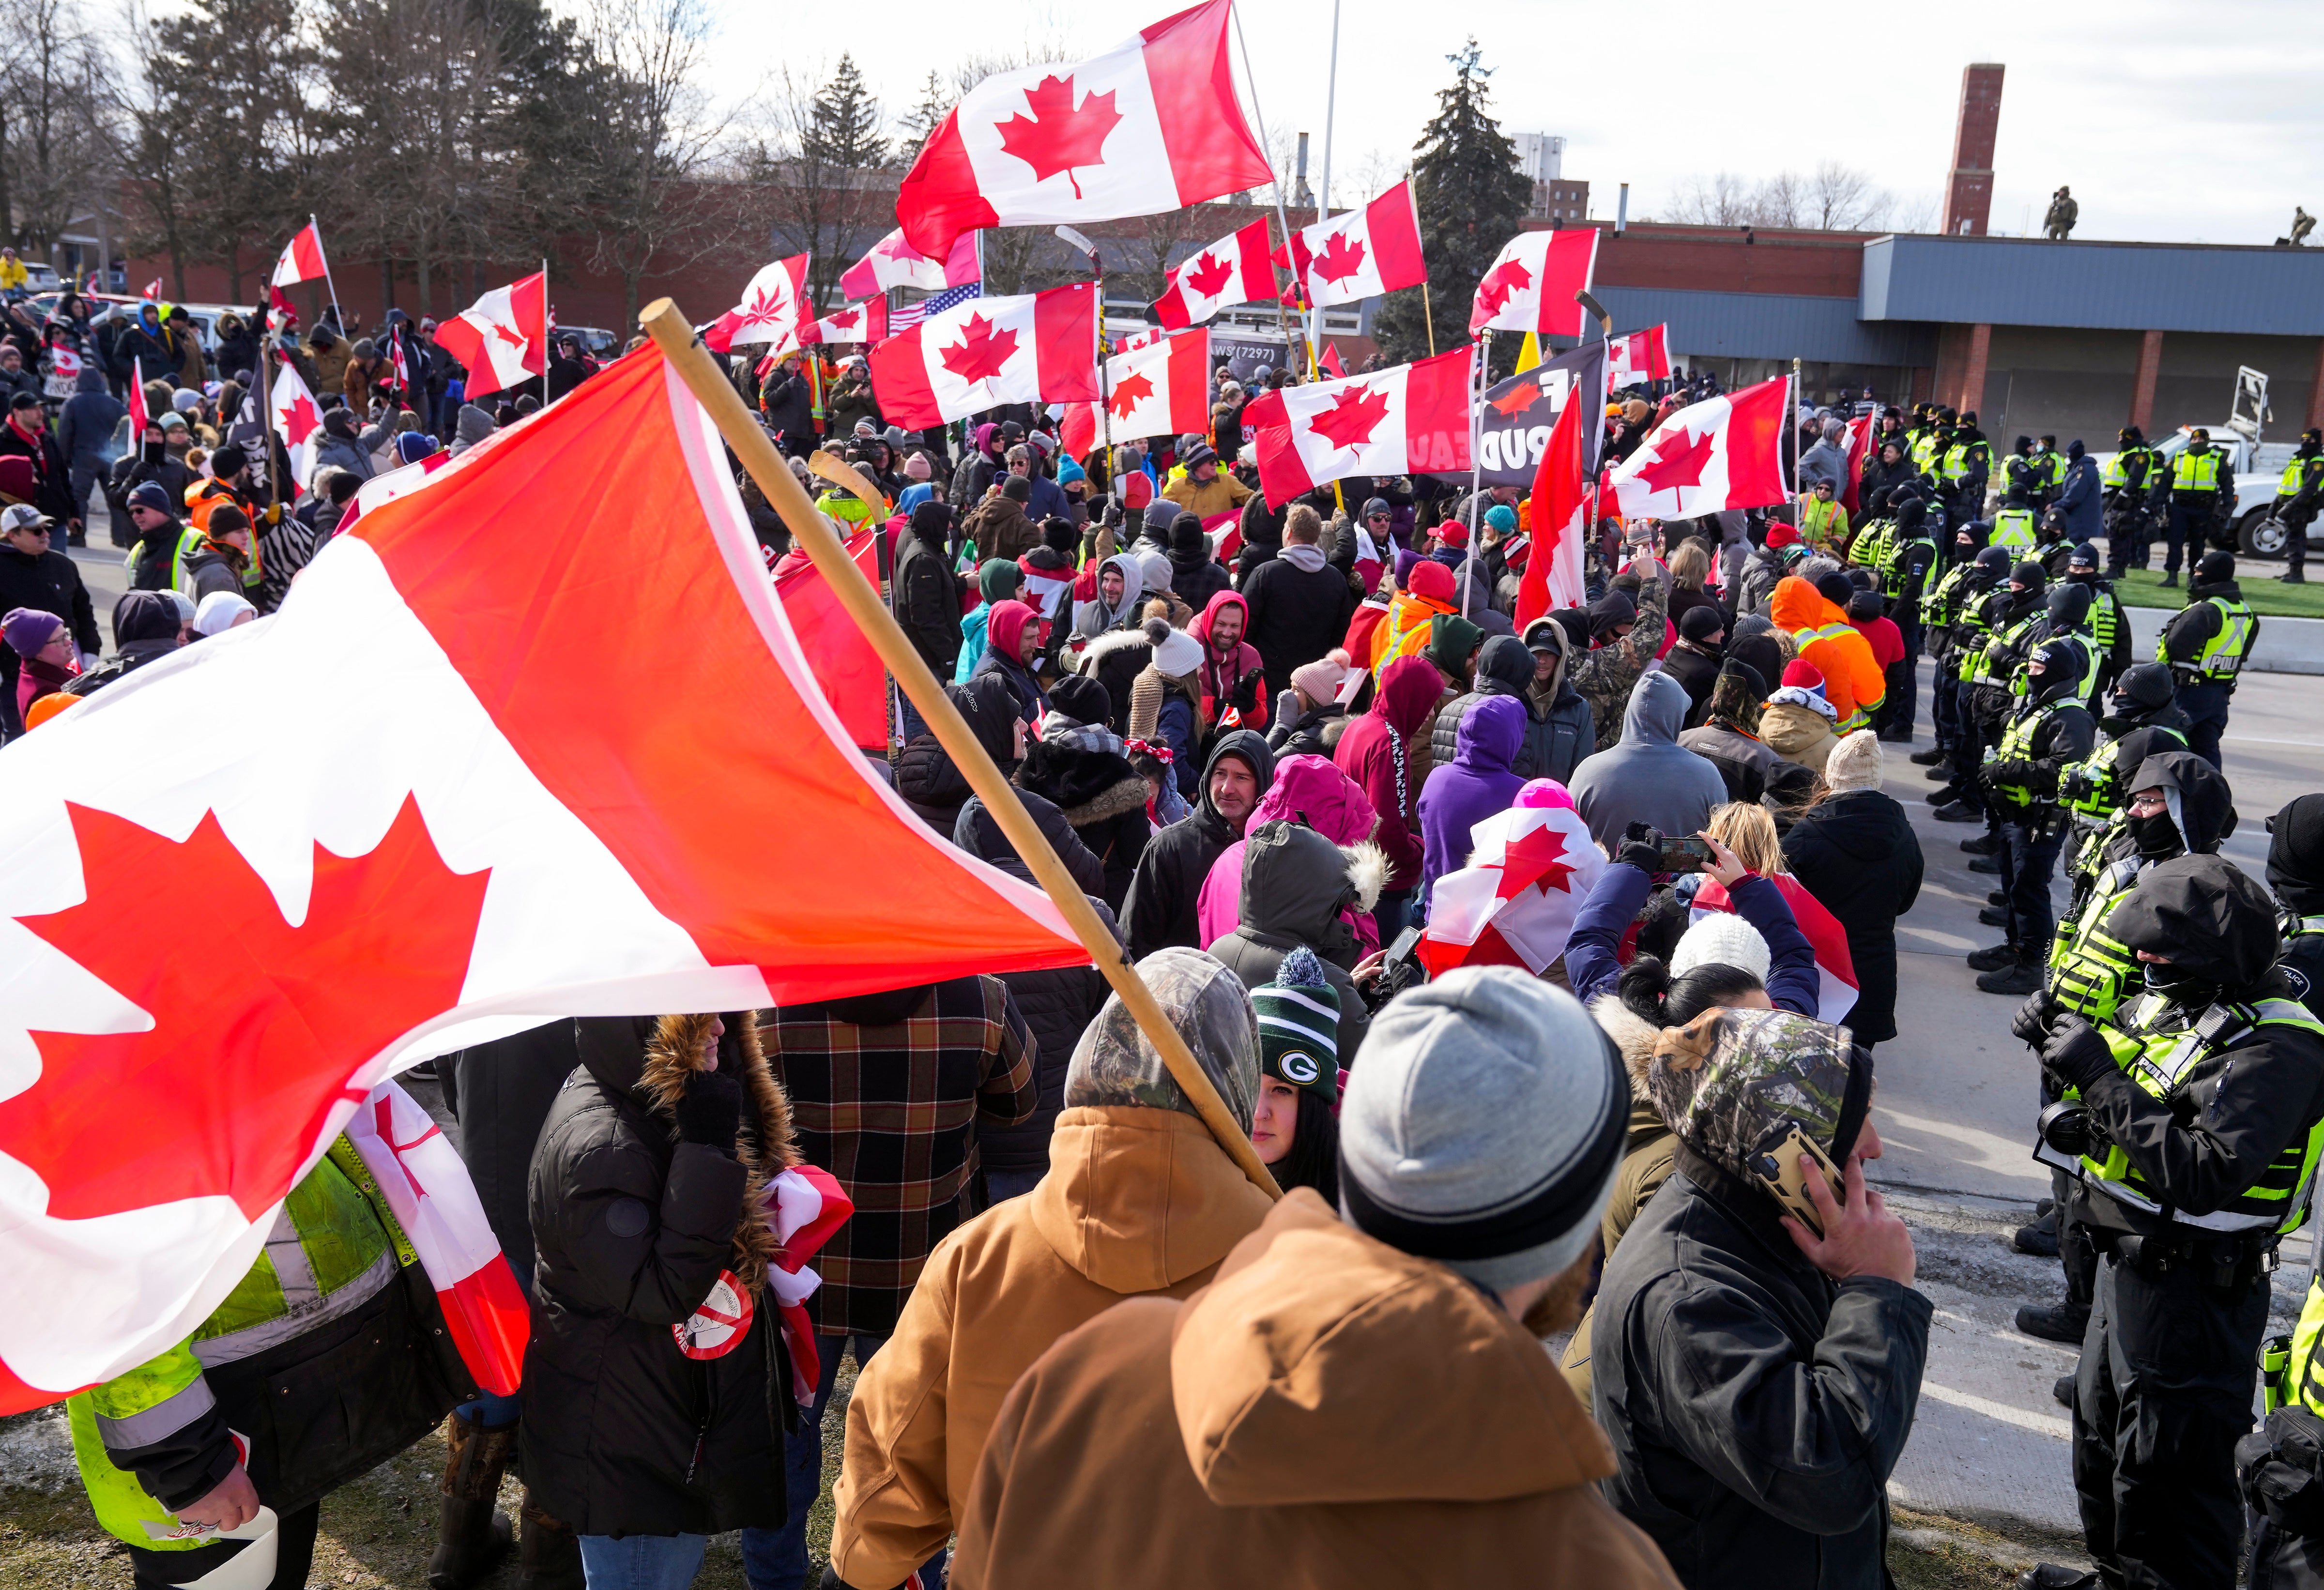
{"points": [[936, 303]]}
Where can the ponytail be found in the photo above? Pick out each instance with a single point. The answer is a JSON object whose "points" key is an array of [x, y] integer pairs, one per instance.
{"points": [[1649, 992]]}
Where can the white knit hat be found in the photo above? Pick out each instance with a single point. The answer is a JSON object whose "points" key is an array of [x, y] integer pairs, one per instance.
{"points": [[1722, 939], [1176, 653], [1855, 763]]}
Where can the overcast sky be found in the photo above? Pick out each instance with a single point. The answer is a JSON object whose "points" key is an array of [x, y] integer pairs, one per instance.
{"points": [[2164, 132]]}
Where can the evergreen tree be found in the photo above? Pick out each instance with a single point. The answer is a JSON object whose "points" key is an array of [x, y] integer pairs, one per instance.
{"points": [[843, 131], [1472, 199], [924, 117]]}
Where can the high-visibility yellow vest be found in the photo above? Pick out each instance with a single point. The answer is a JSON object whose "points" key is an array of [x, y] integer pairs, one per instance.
{"points": [[2196, 472]]}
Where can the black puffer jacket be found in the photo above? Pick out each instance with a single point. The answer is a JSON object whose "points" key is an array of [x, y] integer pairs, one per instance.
{"points": [[499, 1093], [1505, 667], [1856, 855], [1297, 613], [927, 778], [926, 597], [623, 1433], [1294, 883], [1160, 908], [1104, 799]]}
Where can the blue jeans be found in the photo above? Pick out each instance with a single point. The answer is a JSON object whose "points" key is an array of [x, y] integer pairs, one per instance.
{"points": [[777, 1559], [490, 1411], [641, 1562]]}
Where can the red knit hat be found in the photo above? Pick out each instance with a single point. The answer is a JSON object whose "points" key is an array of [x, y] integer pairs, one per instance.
{"points": [[1432, 580], [1780, 536], [1802, 672]]}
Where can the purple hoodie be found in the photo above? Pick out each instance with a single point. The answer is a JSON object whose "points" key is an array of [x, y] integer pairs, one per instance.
{"points": [[1478, 784]]}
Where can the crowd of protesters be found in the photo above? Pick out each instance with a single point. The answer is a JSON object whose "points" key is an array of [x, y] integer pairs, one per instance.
{"points": [[1259, 737]]}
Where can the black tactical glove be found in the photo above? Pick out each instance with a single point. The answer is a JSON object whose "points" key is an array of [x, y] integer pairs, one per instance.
{"points": [[1244, 696], [2031, 1023], [2077, 1054], [1641, 847], [710, 1110]]}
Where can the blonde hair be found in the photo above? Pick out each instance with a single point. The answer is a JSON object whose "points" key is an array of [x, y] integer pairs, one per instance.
{"points": [[1746, 828], [1690, 565], [1302, 525]]}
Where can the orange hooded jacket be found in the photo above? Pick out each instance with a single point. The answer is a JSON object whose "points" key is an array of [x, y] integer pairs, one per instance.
{"points": [[1853, 683]]}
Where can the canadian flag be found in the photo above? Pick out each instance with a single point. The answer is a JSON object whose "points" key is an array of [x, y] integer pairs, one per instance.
{"points": [[1361, 253], [1162, 389], [1531, 283], [1860, 447], [1514, 905], [1137, 339], [1152, 124], [865, 323], [502, 338], [1722, 453], [1330, 362], [1038, 347], [1837, 987], [297, 420], [847, 666], [1639, 357], [1406, 420], [773, 311], [302, 259], [1552, 576], [482, 796], [894, 263], [1235, 269], [138, 418]]}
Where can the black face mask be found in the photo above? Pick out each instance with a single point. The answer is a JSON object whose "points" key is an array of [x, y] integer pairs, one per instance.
{"points": [[2181, 987], [2158, 837]]}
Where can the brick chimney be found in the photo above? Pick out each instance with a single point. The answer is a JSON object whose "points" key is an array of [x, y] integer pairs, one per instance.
{"points": [[1968, 190]]}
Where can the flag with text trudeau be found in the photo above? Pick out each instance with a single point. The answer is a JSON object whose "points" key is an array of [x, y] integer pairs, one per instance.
{"points": [[1038, 347], [1722, 453], [302, 259], [1149, 126], [1531, 283], [1162, 389], [1359, 254], [1235, 269], [503, 338], [475, 801], [1406, 420]]}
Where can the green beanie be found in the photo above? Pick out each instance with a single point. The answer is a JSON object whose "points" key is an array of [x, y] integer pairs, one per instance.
{"points": [[1299, 1026]]}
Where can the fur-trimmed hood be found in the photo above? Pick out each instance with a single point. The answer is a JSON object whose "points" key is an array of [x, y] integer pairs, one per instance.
{"points": [[766, 1146], [1635, 1037], [1087, 785], [1109, 643]]}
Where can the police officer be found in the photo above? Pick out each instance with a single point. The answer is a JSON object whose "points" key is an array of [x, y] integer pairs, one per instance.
{"points": [[2181, 807], [2109, 629], [2186, 1121], [2054, 543], [2051, 729], [2297, 495], [2198, 476], [2049, 471], [1930, 437], [1908, 552], [1968, 464], [2128, 491], [2140, 719], [1944, 614], [2008, 618], [2295, 870], [2014, 522], [2020, 473], [2206, 645]]}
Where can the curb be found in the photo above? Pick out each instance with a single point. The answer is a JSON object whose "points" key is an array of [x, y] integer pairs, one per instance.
{"points": [[2286, 645]]}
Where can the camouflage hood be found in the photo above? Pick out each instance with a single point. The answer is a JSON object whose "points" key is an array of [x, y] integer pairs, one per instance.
{"points": [[1114, 1063], [1729, 1079]]}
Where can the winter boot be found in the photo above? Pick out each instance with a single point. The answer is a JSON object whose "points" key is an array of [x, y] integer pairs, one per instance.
{"points": [[471, 1536], [1929, 758], [2064, 1323], [2064, 1391], [1994, 915], [2021, 978], [2169, 582], [1942, 772], [1986, 844], [1990, 865], [1991, 957], [1957, 811], [1943, 793], [2039, 1239], [549, 1555], [1996, 897]]}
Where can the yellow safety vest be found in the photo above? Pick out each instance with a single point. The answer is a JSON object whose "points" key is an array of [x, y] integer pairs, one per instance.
{"points": [[2196, 472]]}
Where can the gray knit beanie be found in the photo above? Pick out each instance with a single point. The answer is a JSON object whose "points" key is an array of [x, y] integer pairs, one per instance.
{"points": [[1484, 1128]]}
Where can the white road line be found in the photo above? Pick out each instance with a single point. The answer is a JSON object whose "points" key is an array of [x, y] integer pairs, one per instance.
{"points": [[2039, 1423]]}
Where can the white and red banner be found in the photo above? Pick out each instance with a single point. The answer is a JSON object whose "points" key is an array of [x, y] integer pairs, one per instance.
{"points": [[1531, 283], [1039, 348], [1554, 573], [1835, 968], [773, 311], [427, 1187], [847, 669], [1235, 269], [1515, 903], [1637, 358], [1162, 389], [1360, 253], [138, 418], [302, 261], [1152, 124], [1724, 452], [894, 263], [502, 338], [864, 323], [808, 1206], [297, 420], [1408, 419], [1859, 448], [476, 801]]}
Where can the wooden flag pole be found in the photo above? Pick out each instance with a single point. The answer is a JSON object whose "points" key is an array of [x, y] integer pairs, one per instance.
{"points": [[675, 338]]}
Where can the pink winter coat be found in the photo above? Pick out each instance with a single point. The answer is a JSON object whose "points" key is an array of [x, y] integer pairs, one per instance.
{"points": [[1307, 789]]}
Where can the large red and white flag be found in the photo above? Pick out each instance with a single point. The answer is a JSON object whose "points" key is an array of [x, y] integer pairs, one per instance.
{"points": [[894, 263], [774, 311], [1162, 389], [1835, 968], [138, 418], [1514, 905], [1152, 124], [1724, 452], [502, 338], [1040, 348], [865, 323], [1531, 283], [302, 261], [298, 420], [1235, 269], [847, 666], [1859, 448], [1639, 357], [482, 796], [1406, 420], [1552, 576], [1361, 253]]}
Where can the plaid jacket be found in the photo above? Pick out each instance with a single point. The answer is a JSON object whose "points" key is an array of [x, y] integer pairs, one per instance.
{"points": [[891, 1113]]}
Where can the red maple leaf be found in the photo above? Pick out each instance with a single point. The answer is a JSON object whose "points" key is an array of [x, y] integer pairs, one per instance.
{"points": [[1128, 391], [257, 1024], [845, 320], [1534, 857], [1516, 400], [1352, 419], [1500, 282], [1342, 258], [300, 420], [1058, 137], [980, 353], [507, 334], [1677, 461], [1209, 274]]}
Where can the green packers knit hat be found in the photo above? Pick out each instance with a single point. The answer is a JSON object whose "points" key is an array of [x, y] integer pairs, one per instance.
{"points": [[1299, 1026]]}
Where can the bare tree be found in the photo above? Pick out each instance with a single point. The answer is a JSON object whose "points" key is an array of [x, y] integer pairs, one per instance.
{"points": [[1835, 199], [1716, 201], [1781, 201], [824, 173], [57, 90]]}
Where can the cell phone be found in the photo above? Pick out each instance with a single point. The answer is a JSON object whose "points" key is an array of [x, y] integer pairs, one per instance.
{"points": [[1399, 952], [1684, 855], [1775, 1165]]}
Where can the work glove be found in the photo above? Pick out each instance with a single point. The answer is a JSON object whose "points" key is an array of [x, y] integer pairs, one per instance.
{"points": [[710, 1110], [1641, 847], [273, 514], [2031, 1023], [2077, 1054]]}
